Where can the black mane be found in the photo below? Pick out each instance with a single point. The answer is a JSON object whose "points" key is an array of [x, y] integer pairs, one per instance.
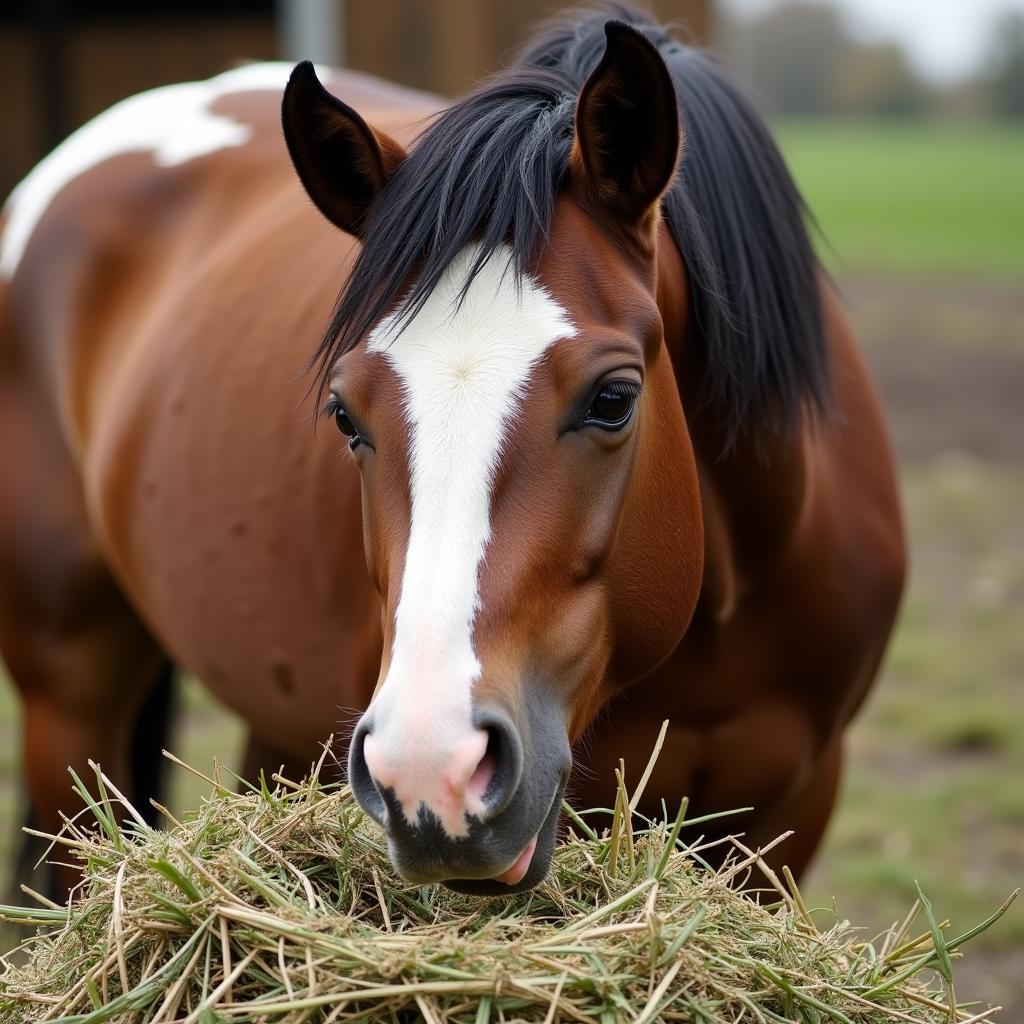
{"points": [[489, 169]]}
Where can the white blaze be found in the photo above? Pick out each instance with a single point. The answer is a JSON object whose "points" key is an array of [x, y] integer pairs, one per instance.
{"points": [[463, 368], [174, 123]]}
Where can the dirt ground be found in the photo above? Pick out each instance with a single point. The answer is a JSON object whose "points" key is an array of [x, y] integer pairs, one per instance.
{"points": [[949, 359]]}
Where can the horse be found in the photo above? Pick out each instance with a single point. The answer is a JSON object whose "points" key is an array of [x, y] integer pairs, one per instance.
{"points": [[608, 451]]}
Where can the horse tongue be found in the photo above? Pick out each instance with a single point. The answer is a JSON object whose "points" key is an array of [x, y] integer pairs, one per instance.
{"points": [[515, 874]]}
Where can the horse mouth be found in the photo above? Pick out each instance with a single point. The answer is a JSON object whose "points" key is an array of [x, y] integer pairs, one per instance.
{"points": [[517, 872], [528, 869]]}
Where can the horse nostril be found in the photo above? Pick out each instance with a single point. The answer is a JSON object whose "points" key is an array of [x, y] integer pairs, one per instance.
{"points": [[496, 778], [359, 777], [483, 774]]}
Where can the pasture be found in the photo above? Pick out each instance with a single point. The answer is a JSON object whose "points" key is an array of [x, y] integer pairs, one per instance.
{"points": [[927, 227], [917, 198]]}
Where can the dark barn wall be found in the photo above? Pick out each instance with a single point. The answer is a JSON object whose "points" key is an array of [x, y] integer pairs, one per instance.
{"points": [[94, 54], [63, 61]]}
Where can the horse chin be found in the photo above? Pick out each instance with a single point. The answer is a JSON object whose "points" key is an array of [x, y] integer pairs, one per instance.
{"points": [[543, 850]]}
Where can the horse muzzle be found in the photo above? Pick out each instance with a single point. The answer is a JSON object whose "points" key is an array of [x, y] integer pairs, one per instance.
{"points": [[478, 812]]}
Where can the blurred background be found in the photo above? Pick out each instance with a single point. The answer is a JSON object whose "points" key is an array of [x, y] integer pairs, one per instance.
{"points": [[903, 122]]}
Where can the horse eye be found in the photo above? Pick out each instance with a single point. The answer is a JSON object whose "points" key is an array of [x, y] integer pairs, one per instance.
{"points": [[345, 425], [613, 405]]}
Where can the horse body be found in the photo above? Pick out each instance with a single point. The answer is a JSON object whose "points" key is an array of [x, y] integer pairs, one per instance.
{"points": [[163, 496]]}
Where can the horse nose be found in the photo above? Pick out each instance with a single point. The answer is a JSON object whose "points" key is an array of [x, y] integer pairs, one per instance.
{"points": [[472, 774]]}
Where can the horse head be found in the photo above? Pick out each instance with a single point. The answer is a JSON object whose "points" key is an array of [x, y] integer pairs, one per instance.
{"points": [[499, 368]]}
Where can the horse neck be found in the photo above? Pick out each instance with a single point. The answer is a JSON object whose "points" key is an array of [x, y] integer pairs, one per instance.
{"points": [[754, 491]]}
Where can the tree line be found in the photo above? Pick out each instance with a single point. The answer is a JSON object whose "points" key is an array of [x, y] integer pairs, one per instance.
{"points": [[800, 58]]}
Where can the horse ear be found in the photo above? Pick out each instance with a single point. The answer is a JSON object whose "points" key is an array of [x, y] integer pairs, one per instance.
{"points": [[627, 125], [342, 162]]}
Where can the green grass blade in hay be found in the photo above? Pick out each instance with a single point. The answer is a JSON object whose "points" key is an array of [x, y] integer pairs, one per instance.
{"points": [[279, 905], [925, 961], [179, 878], [104, 814], [32, 916], [944, 966]]}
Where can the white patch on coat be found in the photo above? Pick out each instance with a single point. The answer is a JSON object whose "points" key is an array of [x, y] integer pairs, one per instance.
{"points": [[463, 369], [174, 122]]}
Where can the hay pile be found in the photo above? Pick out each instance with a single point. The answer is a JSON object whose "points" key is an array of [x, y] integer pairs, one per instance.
{"points": [[280, 906]]}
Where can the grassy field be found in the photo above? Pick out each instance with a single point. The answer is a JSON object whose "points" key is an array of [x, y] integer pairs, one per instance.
{"points": [[918, 198], [929, 222]]}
